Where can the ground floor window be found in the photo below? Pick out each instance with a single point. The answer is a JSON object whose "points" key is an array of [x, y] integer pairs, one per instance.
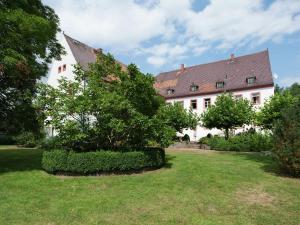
{"points": [[255, 98], [194, 104]]}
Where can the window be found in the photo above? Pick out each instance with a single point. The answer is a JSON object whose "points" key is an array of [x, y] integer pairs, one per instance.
{"points": [[170, 91], [59, 69], [194, 104], [251, 80], [194, 87], [64, 67], [220, 84], [238, 96], [207, 103], [255, 98]]}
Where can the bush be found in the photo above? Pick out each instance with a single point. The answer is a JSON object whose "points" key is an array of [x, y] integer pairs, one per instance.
{"points": [[287, 139], [6, 140], [247, 141], [26, 139], [62, 161], [186, 138], [50, 143]]}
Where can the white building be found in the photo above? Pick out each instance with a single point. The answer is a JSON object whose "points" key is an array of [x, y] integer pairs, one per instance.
{"points": [[76, 53], [197, 87]]}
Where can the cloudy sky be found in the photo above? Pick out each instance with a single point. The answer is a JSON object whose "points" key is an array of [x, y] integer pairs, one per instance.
{"points": [[159, 35]]}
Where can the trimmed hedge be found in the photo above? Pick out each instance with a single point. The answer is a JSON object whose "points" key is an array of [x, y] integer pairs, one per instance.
{"points": [[244, 142], [70, 162]]}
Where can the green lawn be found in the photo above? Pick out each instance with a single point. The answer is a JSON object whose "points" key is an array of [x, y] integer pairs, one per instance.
{"points": [[194, 188]]}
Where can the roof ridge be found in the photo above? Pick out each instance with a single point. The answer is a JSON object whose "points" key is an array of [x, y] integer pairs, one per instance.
{"points": [[73, 39], [218, 61]]}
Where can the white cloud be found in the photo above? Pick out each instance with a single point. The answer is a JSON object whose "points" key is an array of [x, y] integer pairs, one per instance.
{"points": [[156, 61], [128, 25]]}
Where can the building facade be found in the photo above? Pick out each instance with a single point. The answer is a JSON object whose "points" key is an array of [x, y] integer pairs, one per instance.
{"points": [[197, 87]]}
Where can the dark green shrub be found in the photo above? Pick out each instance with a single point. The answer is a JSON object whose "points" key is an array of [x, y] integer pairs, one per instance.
{"points": [[247, 141], [6, 140], [287, 139], [61, 161], [26, 139], [50, 143], [186, 138]]}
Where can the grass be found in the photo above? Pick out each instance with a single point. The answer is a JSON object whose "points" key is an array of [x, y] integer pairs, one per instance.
{"points": [[194, 188]]}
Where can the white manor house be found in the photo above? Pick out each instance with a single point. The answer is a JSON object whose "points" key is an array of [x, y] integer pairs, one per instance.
{"points": [[195, 87]]}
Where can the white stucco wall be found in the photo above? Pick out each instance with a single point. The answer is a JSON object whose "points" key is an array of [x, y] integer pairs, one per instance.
{"points": [[68, 59], [195, 135]]}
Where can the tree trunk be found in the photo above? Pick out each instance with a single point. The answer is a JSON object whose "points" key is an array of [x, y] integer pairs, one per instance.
{"points": [[226, 134]]}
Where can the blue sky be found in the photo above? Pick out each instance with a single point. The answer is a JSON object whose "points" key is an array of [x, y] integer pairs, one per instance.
{"points": [[160, 35]]}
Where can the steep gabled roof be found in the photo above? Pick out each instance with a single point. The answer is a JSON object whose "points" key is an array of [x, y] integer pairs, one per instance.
{"points": [[84, 54], [233, 72]]}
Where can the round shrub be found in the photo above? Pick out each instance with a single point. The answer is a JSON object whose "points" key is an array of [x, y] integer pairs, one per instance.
{"points": [[103, 161], [287, 139], [26, 139]]}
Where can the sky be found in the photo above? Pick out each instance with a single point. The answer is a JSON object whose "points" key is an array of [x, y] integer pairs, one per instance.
{"points": [[159, 35]]}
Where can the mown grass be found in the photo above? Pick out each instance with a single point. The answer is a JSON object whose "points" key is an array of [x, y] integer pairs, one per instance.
{"points": [[194, 188]]}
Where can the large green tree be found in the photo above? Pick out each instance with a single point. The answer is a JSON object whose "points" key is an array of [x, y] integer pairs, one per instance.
{"points": [[272, 109], [227, 113], [107, 107], [27, 44]]}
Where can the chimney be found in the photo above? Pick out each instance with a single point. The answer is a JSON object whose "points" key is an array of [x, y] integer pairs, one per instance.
{"points": [[181, 67]]}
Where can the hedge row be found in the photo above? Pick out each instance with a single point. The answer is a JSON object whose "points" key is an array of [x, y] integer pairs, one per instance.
{"points": [[61, 161], [252, 142]]}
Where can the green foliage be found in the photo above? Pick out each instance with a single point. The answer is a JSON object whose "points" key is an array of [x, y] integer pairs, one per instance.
{"points": [[271, 111], [247, 141], [287, 139], [27, 43], [50, 143], [7, 139], [108, 107], [227, 113], [26, 139], [61, 161]]}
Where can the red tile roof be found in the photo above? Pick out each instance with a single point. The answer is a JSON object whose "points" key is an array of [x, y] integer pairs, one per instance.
{"points": [[84, 54], [233, 72]]}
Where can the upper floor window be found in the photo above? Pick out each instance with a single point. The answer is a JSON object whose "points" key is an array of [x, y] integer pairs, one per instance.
{"points": [[220, 84], [194, 87], [59, 69], [255, 98], [170, 91], [64, 67], [251, 80], [207, 103], [194, 104]]}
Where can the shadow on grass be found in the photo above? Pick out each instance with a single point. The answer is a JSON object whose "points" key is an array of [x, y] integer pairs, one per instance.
{"points": [[169, 163], [268, 163], [20, 160]]}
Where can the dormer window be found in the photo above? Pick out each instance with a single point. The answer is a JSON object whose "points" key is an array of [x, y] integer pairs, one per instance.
{"points": [[170, 91], [251, 80], [220, 84], [194, 87]]}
